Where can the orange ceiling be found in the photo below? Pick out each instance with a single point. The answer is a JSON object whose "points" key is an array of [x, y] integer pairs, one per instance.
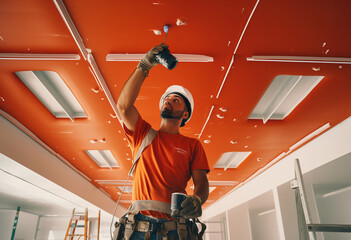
{"points": [[286, 28]]}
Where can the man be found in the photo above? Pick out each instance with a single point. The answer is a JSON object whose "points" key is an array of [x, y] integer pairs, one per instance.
{"points": [[168, 163]]}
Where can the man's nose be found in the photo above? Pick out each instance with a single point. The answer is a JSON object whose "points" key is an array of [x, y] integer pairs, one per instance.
{"points": [[167, 102]]}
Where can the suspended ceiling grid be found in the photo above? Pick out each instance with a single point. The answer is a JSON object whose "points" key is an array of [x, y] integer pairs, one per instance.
{"points": [[218, 30]]}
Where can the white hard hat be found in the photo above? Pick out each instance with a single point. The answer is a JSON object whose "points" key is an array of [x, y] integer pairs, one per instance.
{"points": [[189, 101]]}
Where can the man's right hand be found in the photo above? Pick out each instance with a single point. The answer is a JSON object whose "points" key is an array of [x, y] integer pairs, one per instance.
{"points": [[149, 61]]}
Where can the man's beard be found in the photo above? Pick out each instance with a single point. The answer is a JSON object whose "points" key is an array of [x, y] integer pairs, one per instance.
{"points": [[170, 114]]}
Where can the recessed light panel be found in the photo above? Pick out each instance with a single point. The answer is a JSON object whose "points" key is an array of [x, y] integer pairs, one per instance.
{"points": [[53, 92], [127, 189], [283, 95], [231, 159], [103, 158]]}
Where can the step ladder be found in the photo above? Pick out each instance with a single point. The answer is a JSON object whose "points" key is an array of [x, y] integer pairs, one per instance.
{"points": [[80, 220], [307, 229]]}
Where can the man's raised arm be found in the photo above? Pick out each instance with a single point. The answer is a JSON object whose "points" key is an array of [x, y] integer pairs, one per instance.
{"points": [[131, 89]]}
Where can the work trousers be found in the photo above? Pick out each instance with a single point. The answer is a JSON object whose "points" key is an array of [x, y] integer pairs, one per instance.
{"points": [[156, 234]]}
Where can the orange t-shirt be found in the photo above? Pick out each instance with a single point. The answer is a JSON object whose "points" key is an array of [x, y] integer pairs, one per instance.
{"points": [[165, 166]]}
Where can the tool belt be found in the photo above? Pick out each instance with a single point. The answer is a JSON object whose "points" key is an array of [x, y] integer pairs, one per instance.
{"points": [[186, 228]]}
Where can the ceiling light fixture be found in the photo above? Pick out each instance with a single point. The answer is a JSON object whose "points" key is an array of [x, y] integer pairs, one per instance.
{"points": [[127, 57], [231, 159], [299, 59], [283, 95], [37, 56], [53, 92], [223, 183], [103, 158], [127, 189]]}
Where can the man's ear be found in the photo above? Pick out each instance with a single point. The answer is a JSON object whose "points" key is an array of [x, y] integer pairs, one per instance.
{"points": [[185, 115]]}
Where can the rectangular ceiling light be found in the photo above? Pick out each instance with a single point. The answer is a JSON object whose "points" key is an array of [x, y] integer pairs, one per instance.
{"points": [[231, 159], [223, 183], [103, 158], [283, 95], [126, 57], [127, 189], [53, 92]]}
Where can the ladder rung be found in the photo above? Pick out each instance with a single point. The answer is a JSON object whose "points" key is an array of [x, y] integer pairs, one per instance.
{"points": [[329, 227], [72, 235], [79, 213], [76, 225], [78, 218]]}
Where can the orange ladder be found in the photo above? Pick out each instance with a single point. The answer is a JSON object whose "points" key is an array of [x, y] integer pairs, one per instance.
{"points": [[80, 220]]}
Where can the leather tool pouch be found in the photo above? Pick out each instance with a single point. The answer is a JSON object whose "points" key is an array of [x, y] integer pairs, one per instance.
{"points": [[193, 230], [119, 229]]}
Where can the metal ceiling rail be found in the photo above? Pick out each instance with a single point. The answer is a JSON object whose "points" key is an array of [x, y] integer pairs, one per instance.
{"points": [[136, 57], [236, 48], [114, 182], [230, 65], [38, 56], [300, 59], [87, 53], [208, 118], [72, 27]]}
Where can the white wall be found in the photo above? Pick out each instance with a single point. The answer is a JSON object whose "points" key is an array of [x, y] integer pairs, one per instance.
{"points": [[7, 218], [39, 160], [26, 225], [288, 211], [51, 228], [329, 146], [239, 223]]}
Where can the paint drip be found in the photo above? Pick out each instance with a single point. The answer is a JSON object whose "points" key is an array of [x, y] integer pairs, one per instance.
{"points": [[157, 32], [95, 90], [181, 22]]}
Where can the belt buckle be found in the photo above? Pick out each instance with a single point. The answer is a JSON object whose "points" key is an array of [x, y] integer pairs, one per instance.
{"points": [[152, 226]]}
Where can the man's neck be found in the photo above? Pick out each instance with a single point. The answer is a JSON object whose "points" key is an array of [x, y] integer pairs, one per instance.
{"points": [[170, 126]]}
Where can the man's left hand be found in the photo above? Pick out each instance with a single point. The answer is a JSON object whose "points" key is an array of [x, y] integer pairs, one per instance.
{"points": [[191, 207]]}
